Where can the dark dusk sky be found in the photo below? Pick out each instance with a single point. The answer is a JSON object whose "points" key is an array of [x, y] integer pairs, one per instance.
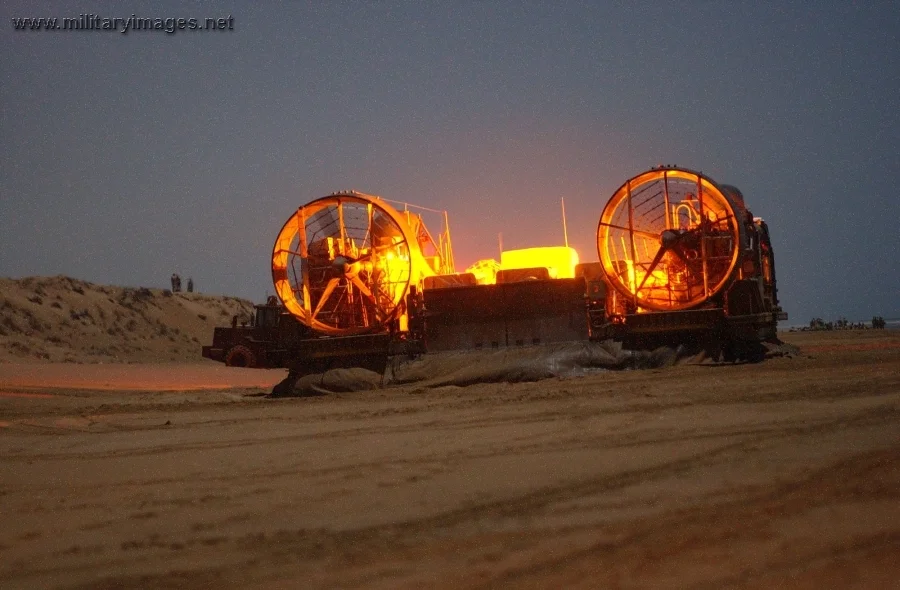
{"points": [[126, 157]]}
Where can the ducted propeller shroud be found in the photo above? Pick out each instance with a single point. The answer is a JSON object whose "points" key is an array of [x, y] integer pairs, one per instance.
{"points": [[342, 264], [670, 239]]}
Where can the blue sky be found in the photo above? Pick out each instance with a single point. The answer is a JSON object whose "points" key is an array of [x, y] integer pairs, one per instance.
{"points": [[126, 157]]}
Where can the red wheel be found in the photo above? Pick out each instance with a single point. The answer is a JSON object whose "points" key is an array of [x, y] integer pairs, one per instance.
{"points": [[240, 356]]}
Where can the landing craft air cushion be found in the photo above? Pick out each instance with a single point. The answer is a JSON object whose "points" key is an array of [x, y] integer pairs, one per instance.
{"points": [[682, 261]]}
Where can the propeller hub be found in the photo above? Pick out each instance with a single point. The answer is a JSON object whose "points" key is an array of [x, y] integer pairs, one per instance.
{"points": [[669, 238]]}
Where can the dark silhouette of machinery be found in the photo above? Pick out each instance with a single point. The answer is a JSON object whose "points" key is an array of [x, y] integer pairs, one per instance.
{"points": [[682, 261], [264, 340]]}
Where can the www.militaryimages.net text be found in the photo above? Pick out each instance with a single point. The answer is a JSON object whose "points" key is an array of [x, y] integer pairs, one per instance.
{"points": [[93, 22]]}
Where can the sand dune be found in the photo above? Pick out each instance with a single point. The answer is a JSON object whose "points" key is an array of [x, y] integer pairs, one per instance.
{"points": [[61, 319]]}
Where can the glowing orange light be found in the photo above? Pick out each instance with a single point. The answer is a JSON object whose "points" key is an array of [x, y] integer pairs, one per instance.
{"points": [[669, 238], [560, 261], [485, 271]]}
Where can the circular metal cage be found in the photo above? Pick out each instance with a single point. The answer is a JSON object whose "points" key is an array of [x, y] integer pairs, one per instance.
{"points": [[669, 239], [342, 264]]}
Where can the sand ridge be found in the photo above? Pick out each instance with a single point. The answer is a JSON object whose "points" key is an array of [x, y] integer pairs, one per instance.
{"points": [[61, 319]]}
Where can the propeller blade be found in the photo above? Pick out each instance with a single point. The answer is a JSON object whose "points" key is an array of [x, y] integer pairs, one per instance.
{"points": [[365, 257], [656, 259], [329, 289], [363, 288]]}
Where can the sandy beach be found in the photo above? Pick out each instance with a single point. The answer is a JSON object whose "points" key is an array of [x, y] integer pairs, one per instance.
{"points": [[779, 474]]}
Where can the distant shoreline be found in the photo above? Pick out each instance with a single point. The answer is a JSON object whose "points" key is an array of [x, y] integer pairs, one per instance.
{"points": [[890, 324]]}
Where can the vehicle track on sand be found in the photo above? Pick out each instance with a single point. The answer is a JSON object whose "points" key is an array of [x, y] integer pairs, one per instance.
{"points": [[785, 473]]}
